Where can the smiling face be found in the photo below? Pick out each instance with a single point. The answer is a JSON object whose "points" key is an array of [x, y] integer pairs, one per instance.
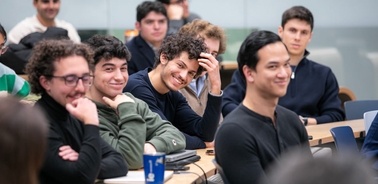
{"points": [[153, 27], [272, 74], [178, 72], [57, 88], [47, 9], [110, 77], [296, 34]]}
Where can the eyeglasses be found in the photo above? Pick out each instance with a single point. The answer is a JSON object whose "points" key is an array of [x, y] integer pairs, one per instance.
{"points": [[72, 80], [3, 50]]}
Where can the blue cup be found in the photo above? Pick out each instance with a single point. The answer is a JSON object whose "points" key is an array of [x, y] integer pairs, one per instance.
{"points": [[154, 167]]}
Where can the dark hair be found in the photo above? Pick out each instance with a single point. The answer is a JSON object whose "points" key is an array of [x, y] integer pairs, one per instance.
{"points": [[46, 53], [148, 6], [205, 29], [296, 168], [298, 12], [164, 1], [174, 45], [108, 47], [23, 139], [248, 52], [2, 31]]}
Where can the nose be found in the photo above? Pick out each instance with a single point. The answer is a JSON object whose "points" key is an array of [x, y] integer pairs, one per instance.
{"points": [[118, 75], [156, 25], [298, 35], [284, 72], [80, 86]]}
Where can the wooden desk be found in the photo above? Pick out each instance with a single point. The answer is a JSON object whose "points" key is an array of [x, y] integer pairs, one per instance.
{"points": [[228, 65], [205, 163], [321, 133]]}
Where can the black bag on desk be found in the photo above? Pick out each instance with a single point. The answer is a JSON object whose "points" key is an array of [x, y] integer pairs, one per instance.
{"points": [[18, 55]]}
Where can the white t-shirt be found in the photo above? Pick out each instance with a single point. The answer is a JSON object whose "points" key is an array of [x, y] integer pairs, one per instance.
{"points": [[32, 24]]}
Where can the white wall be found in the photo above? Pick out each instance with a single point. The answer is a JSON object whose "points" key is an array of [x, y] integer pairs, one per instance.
{"points": [[114, 14]]}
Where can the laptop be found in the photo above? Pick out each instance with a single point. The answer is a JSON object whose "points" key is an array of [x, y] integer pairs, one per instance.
{"points": [[172, 157], [135, 177]]}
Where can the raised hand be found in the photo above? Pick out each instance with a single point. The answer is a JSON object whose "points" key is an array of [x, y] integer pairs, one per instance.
{"points": [[84, 110]]}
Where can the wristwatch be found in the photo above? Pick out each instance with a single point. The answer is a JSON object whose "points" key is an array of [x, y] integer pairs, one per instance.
{"points": [[305, 120]]}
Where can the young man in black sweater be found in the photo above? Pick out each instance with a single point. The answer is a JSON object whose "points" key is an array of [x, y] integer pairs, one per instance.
{"points": [[256, 133], [59, 71]]}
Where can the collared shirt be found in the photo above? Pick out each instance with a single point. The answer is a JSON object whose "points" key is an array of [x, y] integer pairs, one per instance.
{"points": [[197, 84]]}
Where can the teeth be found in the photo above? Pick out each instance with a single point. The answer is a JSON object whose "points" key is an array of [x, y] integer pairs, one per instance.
{"points": [[178, 81]]}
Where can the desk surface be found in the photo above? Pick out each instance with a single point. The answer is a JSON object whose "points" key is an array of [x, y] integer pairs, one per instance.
{"points": [[321, 133], [205, 163]]}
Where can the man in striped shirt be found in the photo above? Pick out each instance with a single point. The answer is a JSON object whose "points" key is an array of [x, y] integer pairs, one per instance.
{"points": [[10, 82]]}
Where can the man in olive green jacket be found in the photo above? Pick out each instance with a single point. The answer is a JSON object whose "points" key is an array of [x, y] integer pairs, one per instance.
{"points": [[126, 122]]}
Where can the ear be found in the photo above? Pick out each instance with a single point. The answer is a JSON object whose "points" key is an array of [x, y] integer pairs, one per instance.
{"points": [[35, 3], [137, 25], [280, 31], [45, 83], [163, 59], [248, 74], [310, 37]]}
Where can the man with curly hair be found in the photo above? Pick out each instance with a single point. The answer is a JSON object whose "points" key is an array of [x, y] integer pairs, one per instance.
{"points": [[126, 122], [181, 58], [59, 72], [197, 91]]}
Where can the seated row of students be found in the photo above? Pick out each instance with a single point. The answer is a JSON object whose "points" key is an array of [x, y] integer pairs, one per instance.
{"points": [[62, 89]]}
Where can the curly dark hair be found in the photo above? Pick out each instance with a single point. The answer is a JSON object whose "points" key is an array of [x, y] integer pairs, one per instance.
{"points": [[108, 47], [174, 45], [46, 53], [205, 29]]}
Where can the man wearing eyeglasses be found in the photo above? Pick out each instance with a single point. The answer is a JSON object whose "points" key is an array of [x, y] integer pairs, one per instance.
{"points": [[178, 14], [10, 82], [58, 70], [47, 10]]}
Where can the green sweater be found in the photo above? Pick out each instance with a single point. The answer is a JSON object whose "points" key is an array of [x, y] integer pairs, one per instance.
{"points": [[11, 83], [133, 126]]}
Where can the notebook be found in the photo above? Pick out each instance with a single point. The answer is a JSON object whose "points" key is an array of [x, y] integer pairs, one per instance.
{"points": [[135, 177], [172, 157]]}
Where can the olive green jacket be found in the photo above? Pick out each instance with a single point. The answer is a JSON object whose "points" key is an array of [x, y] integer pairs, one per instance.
{"points": [[133, 126]]}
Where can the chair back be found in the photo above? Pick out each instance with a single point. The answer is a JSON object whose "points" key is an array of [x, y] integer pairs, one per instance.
{"points": [[368, 119], [344, 140], [356, 109], [220, 170]]}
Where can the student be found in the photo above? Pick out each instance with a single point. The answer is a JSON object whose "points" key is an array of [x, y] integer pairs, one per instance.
{"points": [[10, 82], [126, 122], [369, 148], [313, 89], [47, 10], [295, 168], [255, 134], [177, 65], [178, 14], [22, 141], [152, 24], [215, 39], [59, 72]]}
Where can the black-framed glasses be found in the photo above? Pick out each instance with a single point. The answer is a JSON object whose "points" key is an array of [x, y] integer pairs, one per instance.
{"points": [[72, 80]]}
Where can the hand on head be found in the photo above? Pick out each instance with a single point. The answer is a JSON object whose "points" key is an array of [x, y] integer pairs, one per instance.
{"points": [[84, 110], [211, 65]]}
